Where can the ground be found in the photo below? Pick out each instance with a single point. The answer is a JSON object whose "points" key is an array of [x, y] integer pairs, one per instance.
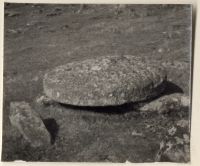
{"points": [[40, 37]]}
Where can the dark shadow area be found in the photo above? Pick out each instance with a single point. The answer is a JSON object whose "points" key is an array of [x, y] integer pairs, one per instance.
{"points": [[52, 127], [119, 109], [170, 88]]}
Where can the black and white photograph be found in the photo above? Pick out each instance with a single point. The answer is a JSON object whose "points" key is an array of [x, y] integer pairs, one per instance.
{"points": [[107, 83]]}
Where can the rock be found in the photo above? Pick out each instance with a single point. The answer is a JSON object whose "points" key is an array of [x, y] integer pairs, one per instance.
{"points": [[186, 138], [135, 133], [104, 81], [167, 103], [179, 140], [183, 123], [173, 152], [185, 101], [29, 124], [176, 154], [44, 100], [172, 131]]}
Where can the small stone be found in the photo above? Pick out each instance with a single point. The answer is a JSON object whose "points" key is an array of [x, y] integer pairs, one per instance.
{"points": [[185, 101], [179, 140], [183, 123], [186, 138], [135, 133], [165, 103], [148, 126], [29, 124], [172, 131], [152, 106], [173, 152], [44, 100]]}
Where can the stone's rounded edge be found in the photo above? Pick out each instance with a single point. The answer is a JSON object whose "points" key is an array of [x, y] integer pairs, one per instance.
{"points": [[155, 92], [94, 103], [159, 85], [52, 91]]}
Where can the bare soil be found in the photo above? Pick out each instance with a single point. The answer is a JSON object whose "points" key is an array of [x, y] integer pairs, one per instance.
{"points": [[40, 37]]}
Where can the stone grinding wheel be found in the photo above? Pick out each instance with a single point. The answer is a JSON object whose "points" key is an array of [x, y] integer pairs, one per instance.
{"points": [[104, 81]]}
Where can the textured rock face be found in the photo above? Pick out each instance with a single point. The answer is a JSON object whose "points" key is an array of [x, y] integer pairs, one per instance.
{"points": [[29, 124], [108, 80], [166, 103]]}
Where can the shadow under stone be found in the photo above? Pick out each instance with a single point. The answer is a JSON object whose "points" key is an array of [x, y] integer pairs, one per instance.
{"points": [[52, 127], [170, 88], [119, 109]]}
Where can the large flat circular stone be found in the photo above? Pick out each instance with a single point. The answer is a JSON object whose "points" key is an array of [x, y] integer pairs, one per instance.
{"points": [[104, 81]]}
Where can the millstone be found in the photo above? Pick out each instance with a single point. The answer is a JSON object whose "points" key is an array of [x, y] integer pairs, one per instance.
{"points": [[104, 81]]}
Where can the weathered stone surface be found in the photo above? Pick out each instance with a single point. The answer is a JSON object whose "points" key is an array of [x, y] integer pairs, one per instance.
{"points": [[29, 124], [108, 80], [166, 103], [174, 151]]}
